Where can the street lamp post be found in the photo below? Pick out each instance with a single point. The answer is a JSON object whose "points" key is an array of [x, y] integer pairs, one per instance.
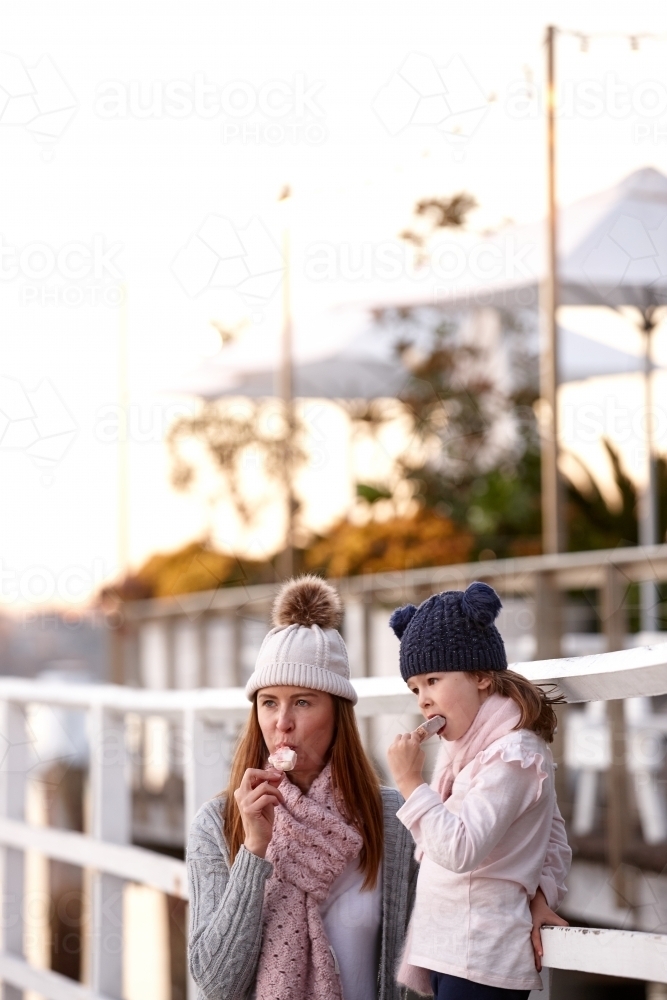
{"points": [[552, 519], [286, 559]]}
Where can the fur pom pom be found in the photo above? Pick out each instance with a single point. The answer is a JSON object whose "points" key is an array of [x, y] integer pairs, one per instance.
{"points": [[481, 603], [401, 618], [308, 600]]}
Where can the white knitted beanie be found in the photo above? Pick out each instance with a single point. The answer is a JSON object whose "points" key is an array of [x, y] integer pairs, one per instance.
{"points": [[305, 649]]}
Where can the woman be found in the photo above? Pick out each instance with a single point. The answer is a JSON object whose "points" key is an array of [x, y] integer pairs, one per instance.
{"points": [[301, 883]]}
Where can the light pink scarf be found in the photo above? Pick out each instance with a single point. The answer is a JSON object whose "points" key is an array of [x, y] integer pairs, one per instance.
{"points": [[311, 845], [496, 717]]}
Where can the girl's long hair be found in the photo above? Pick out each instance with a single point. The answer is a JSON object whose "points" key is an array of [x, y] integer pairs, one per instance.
{"points": [[536, 704], [354, 781]]}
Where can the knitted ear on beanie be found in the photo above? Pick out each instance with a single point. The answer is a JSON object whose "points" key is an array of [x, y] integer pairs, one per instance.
{"points": [[401, 618]]}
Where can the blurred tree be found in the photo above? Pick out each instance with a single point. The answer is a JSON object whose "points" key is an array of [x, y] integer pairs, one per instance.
{"points": [[466, 485], [483, 458], [426, 539], [230, 437], [194, 567], [494, 513], [473, 451], [433, 214], [594, 523], [372, 494]]}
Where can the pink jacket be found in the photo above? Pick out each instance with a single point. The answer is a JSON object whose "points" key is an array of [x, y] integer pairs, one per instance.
{"points": [[487, 849]]}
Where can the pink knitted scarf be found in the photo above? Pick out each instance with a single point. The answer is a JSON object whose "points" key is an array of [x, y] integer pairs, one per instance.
{"points": [[496, 717], [310, 847]]}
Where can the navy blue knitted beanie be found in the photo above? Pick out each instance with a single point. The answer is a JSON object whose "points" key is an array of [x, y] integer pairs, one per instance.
{"points": [[451, 631]]}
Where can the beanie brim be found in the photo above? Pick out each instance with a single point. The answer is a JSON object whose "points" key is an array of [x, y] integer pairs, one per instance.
{"points": [[305, 675]]}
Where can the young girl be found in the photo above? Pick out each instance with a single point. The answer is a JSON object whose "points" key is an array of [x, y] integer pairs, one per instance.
{"points": [[487, 822]]}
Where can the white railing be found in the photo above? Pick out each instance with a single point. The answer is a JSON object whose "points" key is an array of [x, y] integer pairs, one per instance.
{"points": [[211, 638], [207, 719]]}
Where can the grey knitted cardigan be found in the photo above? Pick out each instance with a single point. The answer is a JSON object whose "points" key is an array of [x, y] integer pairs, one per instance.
{"points": [[226, 905]]}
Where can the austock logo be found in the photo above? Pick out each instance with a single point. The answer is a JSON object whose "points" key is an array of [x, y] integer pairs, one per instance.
{"points": [[36, 422], [445, 98], [220, 255], [36, 98]]}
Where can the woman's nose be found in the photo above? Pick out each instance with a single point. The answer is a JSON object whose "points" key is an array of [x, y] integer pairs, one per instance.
{"points": [[284, 723]]}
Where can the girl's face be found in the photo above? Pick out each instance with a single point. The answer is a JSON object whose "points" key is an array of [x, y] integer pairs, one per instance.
{"points": [[455, 694], [300, 719]]}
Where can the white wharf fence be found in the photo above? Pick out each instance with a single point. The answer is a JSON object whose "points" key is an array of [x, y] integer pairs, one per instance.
{"points": [[205, 719]]}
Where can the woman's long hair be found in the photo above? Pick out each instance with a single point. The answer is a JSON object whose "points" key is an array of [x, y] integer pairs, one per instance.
{"points": [[537, 706], [354, 781]]}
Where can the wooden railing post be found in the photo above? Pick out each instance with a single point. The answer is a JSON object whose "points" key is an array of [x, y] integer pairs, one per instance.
{"points": [[548, 617], [357, 630], [615, 625], [208, 750], [110, 821], [548, 643], [13, 769]]}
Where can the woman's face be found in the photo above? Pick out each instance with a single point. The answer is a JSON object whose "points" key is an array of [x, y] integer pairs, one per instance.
{"points": [[298, 718]]}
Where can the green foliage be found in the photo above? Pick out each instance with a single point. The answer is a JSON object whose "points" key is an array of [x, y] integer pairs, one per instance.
{"points": [[592, 523], [488, 484], [500, 507], [494, 491], [371, 494]]}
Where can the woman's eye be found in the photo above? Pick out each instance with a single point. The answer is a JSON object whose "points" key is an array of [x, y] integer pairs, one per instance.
{"points": [[268, 704], [302, 701]]}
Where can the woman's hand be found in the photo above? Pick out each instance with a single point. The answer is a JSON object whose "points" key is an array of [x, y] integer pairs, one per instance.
{"points": [[406, 763], [257, 796], [543, 916]]}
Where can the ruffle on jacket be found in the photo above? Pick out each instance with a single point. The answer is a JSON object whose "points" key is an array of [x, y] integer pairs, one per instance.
{"points": [[513, 750]]}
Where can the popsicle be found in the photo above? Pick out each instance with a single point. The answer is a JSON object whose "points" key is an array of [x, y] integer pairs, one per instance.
{"points": [[430, 727], [284, 759]]}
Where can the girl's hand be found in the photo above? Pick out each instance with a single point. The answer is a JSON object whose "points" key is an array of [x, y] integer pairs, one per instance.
{"points": [[257, 796], [543, 916], [406, 763]]}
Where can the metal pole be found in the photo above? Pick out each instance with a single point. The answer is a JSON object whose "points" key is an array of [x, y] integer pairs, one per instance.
{"points": [[123, 542], [552, 528], [117, 639], [286, 561], [648, 519]]}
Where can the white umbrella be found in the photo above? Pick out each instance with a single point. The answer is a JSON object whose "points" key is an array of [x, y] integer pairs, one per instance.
{"points": [[612, 252], [369, 367]]}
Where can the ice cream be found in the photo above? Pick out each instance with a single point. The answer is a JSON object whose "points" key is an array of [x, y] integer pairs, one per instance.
{"points": [[429, 728], [284, 759]]}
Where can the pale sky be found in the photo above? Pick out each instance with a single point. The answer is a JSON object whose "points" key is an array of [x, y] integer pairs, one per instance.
{"points": [[127, 128]]}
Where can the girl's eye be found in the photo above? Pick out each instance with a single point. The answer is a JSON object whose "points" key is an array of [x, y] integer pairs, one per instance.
{"points": [[432, 680], [414, 691]]}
